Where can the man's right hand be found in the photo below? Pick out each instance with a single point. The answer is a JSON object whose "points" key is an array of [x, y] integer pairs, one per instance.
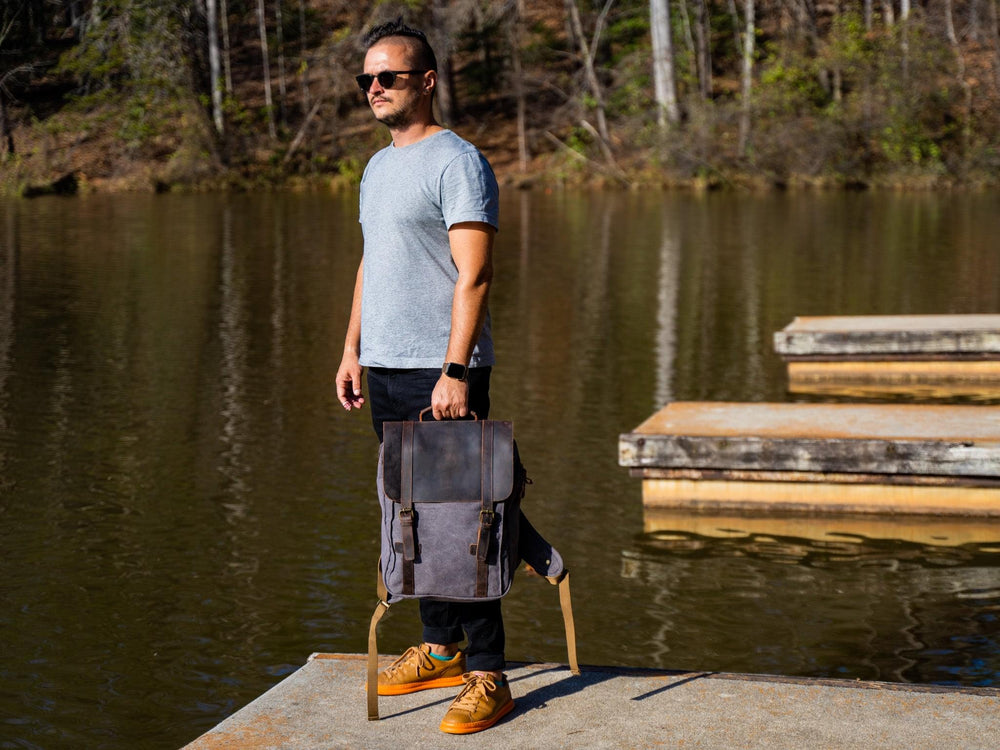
{"points": [[349, 382]]}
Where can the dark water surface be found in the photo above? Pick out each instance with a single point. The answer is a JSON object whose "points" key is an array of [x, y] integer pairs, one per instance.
{"points": [[186, 513]]}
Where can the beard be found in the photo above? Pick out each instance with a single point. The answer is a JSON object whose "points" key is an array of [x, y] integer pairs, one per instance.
{"points": [[397, 119], [402, 116]]}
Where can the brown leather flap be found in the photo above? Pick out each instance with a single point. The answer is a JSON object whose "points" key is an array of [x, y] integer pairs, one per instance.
{"points": [[450, 460]]}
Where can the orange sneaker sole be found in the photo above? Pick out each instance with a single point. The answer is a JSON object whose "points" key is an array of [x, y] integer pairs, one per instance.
{"points": [[477, 726], [413, 687]]}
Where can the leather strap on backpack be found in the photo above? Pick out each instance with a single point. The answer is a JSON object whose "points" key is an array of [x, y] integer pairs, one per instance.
{"points": [[566, 604], [406, 508], [486, 514], [380, 609]]}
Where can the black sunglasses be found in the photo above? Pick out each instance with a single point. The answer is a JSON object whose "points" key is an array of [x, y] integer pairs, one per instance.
{"points": [[385, 78]]}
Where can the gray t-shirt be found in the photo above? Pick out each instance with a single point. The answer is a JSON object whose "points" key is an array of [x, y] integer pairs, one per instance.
{"points": [[410, 197]]}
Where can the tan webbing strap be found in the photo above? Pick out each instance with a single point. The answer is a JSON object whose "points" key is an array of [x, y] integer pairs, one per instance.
{"points": [[406, 507], [486, 516], [566, 604], [380, 609]]}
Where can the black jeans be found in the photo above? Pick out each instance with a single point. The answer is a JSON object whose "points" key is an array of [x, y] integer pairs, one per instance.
{"points": [[400, 395]]}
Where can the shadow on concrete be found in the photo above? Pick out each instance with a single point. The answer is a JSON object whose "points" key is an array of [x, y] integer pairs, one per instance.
{"points": [[672, 685], [570, 685], [540, 697]]}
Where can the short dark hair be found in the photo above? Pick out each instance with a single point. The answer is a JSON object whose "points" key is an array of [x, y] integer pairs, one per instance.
{"points": [[420, 48]]}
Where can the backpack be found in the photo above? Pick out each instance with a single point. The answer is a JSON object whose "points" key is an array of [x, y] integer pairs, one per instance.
{"points": [[452, 527]]}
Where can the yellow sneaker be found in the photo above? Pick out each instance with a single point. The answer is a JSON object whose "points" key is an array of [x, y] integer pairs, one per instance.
{"points": [[480, 705], [417, 670]]}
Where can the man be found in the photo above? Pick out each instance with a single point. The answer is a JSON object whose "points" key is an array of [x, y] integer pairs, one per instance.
{"points": [[419, 324]]}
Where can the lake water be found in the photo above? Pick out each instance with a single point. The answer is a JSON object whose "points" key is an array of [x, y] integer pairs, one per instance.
{"points": [[186, 513]]}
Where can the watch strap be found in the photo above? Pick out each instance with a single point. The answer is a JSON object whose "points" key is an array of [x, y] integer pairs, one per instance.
{"points": [[455, 370]]}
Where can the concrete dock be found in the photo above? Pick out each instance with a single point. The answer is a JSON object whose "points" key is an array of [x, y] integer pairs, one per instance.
{"points": [[844, 458], [914, 336], [322, 706], [926, 355]]}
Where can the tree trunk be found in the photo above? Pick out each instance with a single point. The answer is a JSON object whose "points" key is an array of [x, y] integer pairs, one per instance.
{"points": [[306, 106], [586, 52], [664, 85], [974, 32], [77, 20], [904, 16], [224, 8], [994, 38], [949, 25], [280, 40], [446, 74], [746, 77], [966, 87], [6, 130], [888, 14], [212, 11], [515, 45], [446, 91], [692, 49], [734, 14], [702, 33], [266, 64], [838, 77], [37, 21]]}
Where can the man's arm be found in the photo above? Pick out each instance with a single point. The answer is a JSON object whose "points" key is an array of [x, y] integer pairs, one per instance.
{"points": [[349, 374], [472, 250]]}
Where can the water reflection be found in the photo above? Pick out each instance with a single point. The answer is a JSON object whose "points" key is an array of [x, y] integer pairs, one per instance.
{"points": [[763, 602], [233, 337], [666, 314], [187, 513], [8, 272]]}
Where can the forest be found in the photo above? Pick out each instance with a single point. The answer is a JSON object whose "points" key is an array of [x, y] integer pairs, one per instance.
{"points": [[193, 95]]}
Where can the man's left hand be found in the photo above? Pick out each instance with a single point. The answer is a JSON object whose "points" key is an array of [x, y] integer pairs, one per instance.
{"points": [[450, 399]]}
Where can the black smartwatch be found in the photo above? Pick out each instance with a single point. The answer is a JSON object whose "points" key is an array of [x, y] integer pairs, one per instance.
{"points": [[455, 370]]}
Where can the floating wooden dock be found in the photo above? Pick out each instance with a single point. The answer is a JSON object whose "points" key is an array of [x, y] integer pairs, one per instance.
{"points": [[932, 355], [842, 458]]}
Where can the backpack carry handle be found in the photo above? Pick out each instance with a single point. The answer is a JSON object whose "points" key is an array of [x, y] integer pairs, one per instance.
{"points": [[475, 417]]}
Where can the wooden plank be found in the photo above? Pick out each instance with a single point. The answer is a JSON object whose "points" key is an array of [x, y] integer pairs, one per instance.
{"points": [[729, 475], [828, 528], [942, 392], [840, 336], [851, 438], [907, 372], [929, 379], [819, 497]]}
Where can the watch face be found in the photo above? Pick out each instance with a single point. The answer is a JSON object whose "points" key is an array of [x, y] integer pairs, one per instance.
{"points": [[453, 370]]}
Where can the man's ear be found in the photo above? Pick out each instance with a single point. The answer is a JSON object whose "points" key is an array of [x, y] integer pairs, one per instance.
{"points": [[430, 81]]}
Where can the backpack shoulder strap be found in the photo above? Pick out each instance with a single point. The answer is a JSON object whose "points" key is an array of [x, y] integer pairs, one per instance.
{"points": [[566, 604], [545, 560], [380, 609]]}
